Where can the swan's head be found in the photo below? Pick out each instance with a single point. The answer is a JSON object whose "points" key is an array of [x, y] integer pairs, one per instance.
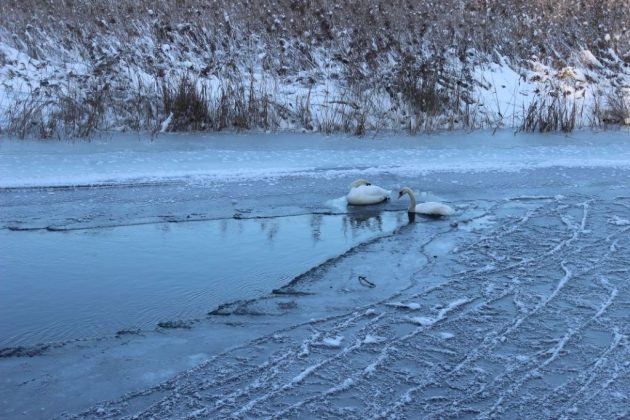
{"points": [[403, 191], [360, 182]]}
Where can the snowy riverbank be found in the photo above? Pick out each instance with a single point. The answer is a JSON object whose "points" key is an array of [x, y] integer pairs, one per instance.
{"points": [[76, 70]]}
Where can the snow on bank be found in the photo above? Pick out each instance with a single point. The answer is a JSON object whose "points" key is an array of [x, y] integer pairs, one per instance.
{"points": [[497, 92]]}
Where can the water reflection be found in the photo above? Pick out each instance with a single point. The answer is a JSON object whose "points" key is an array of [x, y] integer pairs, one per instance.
{"points": [[153, 273], [270, 227], [411, 217], [360, 219], [373, 222], [316, 227]]}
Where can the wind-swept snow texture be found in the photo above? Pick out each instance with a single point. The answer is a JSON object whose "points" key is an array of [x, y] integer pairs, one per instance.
{"points": [[515, 307]]}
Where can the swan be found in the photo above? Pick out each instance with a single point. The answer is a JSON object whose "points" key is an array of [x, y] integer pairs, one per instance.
{"points": [[363, 193], [428, 208]]}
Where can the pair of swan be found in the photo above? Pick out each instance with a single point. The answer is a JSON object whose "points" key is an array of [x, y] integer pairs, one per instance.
{"points": [[363, 193]]}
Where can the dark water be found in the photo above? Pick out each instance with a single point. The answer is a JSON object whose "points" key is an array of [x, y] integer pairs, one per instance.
{"points": [[94, 282]]}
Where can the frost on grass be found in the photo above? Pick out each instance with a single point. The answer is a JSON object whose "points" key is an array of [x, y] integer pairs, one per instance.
{"points": [[322, 66], [530, 316]]}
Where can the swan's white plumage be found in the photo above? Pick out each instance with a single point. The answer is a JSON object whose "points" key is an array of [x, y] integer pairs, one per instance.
{"points": [[430, 208], [367, 194], [362, 193]]}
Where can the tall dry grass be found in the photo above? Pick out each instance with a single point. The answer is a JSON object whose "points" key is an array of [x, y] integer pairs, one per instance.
{"points": [[293, 42]]}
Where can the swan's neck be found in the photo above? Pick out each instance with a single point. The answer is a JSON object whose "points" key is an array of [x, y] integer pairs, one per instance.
{"points": [[412, 202], [358, 183]]}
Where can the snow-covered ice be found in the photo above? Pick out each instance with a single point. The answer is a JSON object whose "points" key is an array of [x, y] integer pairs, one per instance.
{"points": [[517, 306]]}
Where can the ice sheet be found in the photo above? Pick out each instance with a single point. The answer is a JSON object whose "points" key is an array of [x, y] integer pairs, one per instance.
{"points": [[518, 302]]}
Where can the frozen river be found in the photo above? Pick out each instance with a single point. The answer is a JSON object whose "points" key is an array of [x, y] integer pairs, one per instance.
{"points": [[275, 299], [63, 285]]}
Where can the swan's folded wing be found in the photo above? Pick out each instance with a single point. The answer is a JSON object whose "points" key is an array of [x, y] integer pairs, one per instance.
{"points": [[434, 209], [367, 194]]}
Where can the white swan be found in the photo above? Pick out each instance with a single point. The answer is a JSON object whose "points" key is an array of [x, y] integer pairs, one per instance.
{"points": [[363, 193], [429, 208]]}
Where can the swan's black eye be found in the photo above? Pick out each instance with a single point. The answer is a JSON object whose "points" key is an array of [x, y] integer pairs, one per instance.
{"points": [[367, 183]]}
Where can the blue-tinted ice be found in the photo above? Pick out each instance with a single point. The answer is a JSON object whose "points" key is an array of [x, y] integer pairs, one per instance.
{"points": [[516, 307]]}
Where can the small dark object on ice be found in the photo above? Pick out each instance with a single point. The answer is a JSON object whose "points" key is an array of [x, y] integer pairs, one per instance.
{"points": [[285, 290], [175, 324], [123, 332], [23, 351], [363, 280], [287, 305]]}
